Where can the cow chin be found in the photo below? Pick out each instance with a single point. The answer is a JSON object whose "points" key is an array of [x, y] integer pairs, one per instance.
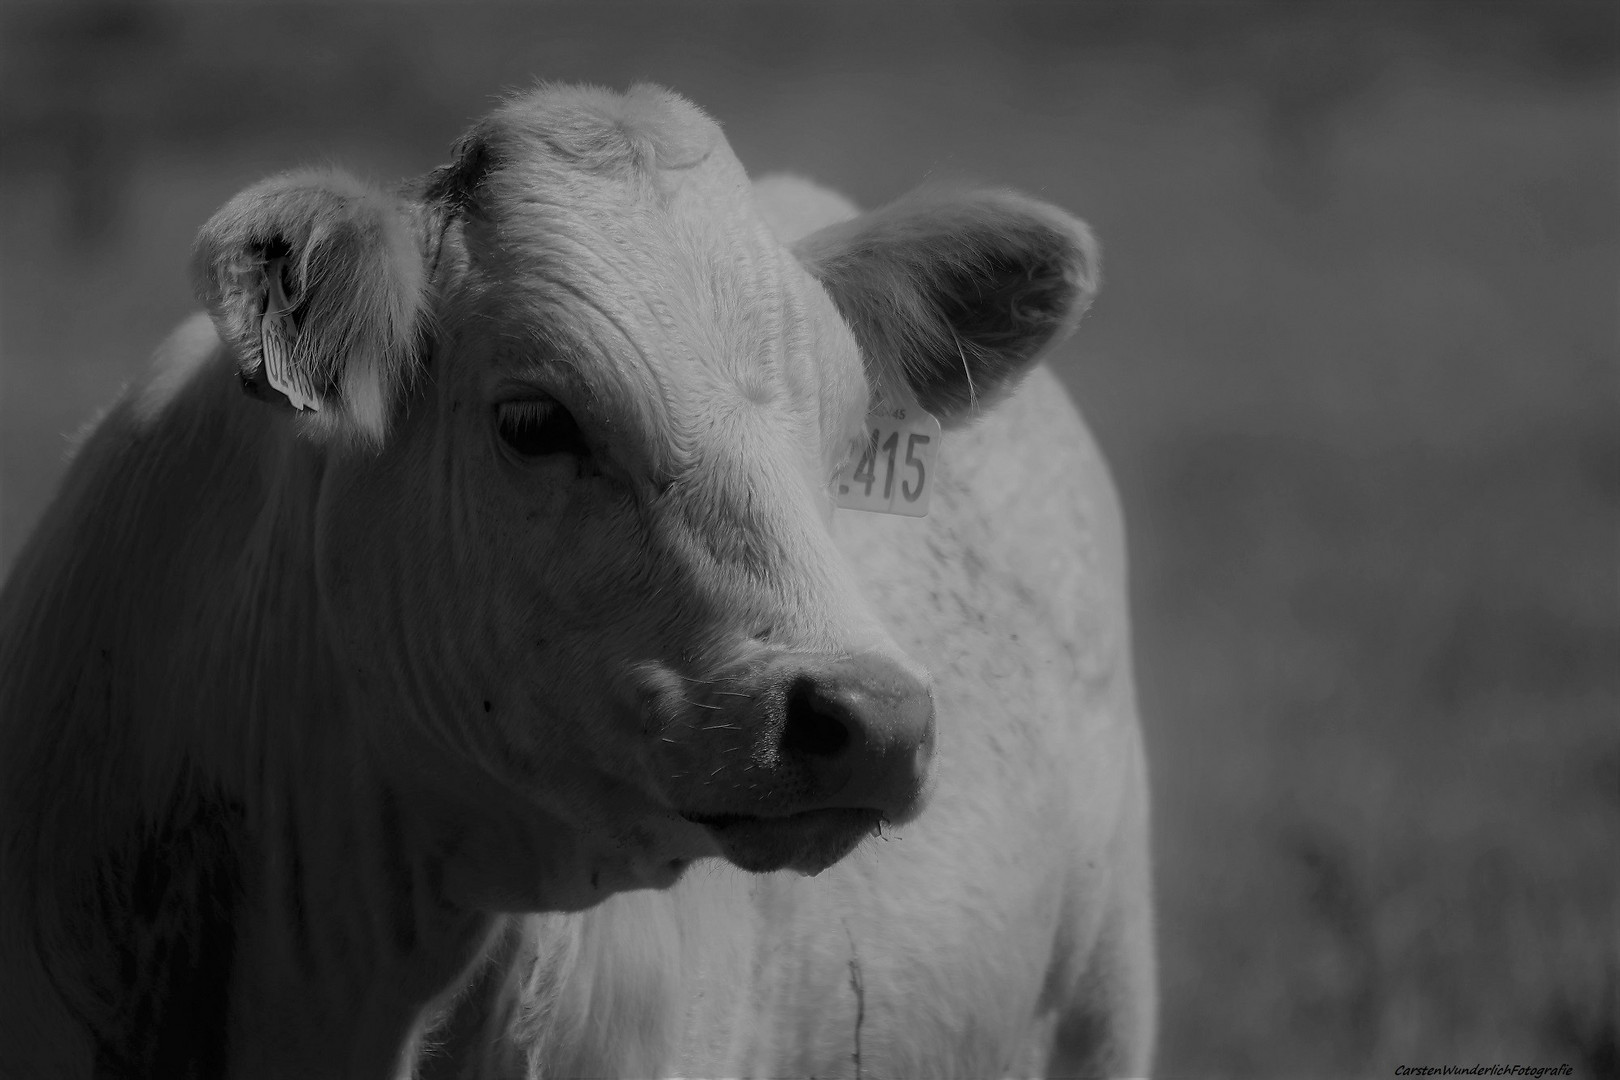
{"points": [[808, 842]]}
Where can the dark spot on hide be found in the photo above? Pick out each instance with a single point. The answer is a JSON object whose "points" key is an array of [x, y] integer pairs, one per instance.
{"points": [[170, 900]]}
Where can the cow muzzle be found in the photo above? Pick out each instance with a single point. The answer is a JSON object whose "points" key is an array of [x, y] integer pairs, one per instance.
{"points": [[790, 762]]}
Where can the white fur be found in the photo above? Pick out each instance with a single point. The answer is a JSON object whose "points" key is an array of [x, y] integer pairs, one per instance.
{"points": [[290, 726], [1007, 931]]}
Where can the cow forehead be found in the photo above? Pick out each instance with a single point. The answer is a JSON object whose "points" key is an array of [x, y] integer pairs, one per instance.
{"points": [[626, 223]]}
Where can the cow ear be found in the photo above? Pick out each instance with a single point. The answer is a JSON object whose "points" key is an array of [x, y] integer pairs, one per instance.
{"points": [[958, 292], [318, 283]]}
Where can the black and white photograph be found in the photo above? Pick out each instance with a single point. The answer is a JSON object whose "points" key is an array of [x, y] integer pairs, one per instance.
{"points": [[809, 539]]}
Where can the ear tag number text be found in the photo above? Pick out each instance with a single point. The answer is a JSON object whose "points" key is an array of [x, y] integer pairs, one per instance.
{"points": [[891, 469]]}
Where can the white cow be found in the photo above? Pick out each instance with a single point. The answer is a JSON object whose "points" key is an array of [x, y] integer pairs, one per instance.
{"points": [[514, 584]]}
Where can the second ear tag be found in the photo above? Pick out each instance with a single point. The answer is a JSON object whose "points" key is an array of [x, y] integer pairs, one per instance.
{"points": [[891, 468]]}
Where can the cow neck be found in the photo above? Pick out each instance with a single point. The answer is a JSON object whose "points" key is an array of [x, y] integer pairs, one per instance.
{"points": [[345, 937], [235, 892]]}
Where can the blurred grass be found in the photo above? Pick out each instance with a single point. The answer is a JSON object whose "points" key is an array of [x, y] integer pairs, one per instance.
{"points": [[1354, 361]]}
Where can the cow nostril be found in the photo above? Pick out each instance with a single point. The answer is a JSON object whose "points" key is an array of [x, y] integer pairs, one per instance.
{"points": [[816, 724]]}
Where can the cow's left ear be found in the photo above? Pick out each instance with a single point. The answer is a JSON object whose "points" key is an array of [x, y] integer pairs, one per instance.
{"points": [[958, 292], [318, 283]]}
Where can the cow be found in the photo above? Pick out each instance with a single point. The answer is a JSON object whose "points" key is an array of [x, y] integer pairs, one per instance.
{"points": [[458, 656]]}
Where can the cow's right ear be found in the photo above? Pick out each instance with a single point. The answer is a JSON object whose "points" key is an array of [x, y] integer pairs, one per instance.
{"points": [[318, 283]]}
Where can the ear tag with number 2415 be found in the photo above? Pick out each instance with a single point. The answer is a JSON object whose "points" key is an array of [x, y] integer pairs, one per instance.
{"points": [[891, 470]]}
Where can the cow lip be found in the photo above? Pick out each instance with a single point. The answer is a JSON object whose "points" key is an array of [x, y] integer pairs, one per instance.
{"points": [[808, 841], [722, 821]]}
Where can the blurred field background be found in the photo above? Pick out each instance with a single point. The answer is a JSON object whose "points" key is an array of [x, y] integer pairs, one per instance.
{"points": [[1355, 363]]}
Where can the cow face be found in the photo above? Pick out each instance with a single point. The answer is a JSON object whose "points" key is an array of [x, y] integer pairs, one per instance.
{"points": [[580, 410]]}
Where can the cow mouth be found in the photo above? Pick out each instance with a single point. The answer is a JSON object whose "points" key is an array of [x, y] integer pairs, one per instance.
{"points": [[809, 841]]}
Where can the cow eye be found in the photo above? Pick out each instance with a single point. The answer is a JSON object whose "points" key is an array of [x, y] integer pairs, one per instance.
{"points": [[537, 427]]}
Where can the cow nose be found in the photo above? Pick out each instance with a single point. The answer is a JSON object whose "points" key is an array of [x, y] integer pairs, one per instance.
{"points": [[863, 727]]}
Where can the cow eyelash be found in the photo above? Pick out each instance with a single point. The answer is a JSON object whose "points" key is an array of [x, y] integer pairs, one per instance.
{"points": [[539, 427]]}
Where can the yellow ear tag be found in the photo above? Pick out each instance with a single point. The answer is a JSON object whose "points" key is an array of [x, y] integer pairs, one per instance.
{"points": [[276, 334], [891, 469]]}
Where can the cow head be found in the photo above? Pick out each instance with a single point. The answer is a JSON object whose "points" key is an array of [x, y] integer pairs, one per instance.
{"points": [[579, 410]]}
